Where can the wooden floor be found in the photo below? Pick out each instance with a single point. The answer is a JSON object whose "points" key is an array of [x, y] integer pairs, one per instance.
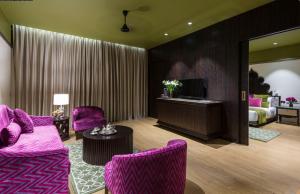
{"points": [[221, 167]]}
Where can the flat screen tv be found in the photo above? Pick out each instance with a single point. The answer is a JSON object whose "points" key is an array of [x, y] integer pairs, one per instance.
{"points": [[193, 89]]}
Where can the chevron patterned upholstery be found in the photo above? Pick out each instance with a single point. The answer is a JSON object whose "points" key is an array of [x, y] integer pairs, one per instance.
{"points": [[37, 163], [87, 117], [42, 120], [159, 171], [44, 174]]}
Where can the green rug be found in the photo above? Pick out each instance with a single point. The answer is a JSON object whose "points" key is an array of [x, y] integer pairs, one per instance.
{"points": [[86, 178], [264, 135]]}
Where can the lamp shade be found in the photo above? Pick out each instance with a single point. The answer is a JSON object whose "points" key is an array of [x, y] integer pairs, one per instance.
{"points": [[61, 99]]}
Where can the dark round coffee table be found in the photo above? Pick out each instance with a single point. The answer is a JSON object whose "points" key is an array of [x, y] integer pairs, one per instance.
{"points": [[99, 149]]}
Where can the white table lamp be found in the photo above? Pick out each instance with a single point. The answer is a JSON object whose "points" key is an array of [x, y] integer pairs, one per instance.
{"points": [[61, 100]]}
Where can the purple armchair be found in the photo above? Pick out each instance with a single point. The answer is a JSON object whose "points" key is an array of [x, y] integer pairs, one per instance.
{"points": [[87, 117], [159, 171]]}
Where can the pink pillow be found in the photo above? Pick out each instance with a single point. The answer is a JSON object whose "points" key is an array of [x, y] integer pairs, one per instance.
{"points": [[256, 102], [10, 134], [24, 120]]}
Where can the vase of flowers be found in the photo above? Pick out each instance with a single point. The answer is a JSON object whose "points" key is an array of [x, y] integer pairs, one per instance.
{"points": [[291, 101], [171, 85]]}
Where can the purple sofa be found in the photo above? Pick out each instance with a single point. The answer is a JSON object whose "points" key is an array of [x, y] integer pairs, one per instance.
{"points": [[159, 171], [37, 163], [87, 117]]}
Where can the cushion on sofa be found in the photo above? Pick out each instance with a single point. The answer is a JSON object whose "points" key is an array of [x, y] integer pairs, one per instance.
{"points": [[4, 119], [10, 134], [10, 113], [24, 120]]}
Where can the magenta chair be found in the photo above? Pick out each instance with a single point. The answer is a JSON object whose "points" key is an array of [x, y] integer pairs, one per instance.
{"points": [[87, 117], [159, 171]]}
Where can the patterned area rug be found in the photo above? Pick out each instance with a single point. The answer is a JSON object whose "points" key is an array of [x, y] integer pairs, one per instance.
{"points": [[264, 135], [86, 178]]}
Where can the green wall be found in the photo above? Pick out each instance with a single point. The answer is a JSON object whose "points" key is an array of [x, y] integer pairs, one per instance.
{"points": [[5, 27], [276, 54]]}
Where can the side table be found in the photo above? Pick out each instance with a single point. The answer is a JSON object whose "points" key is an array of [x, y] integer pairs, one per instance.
{"points": [[62, 125], [289, 112]]}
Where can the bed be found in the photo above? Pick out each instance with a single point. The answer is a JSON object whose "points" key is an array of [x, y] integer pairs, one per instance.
{"points": [[270, 112], [257, 86]]}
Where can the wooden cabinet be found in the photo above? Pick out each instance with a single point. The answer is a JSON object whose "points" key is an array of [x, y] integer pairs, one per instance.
{"points": [[289, 112], [199, 118]]}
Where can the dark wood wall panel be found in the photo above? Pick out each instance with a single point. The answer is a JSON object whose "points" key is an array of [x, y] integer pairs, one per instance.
{"points": [[214, 53]]}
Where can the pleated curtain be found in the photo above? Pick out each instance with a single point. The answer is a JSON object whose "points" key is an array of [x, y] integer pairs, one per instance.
{"points": [[92, 72]]}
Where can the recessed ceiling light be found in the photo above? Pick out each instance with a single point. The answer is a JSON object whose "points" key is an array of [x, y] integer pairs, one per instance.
{"points": [[190, 23], [166, 34], [275, 43]]}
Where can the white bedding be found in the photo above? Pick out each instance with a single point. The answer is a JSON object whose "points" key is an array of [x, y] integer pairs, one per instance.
{"points": [[253, 117]]}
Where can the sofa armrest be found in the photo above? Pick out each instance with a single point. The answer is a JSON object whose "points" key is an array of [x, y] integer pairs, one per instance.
{"points": [[42, 120], [75, 116]]}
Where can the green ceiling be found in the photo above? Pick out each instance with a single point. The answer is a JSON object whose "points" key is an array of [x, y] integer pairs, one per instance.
{"points": [[283, 39], [263, 50], [102, 19]]}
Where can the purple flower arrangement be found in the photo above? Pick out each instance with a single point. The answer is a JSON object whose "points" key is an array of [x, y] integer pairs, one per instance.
{"points": [[291, 99]]}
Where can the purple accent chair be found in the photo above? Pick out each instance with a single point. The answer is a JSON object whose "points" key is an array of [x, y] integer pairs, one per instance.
{"points": [[159, 171], [87, 117], [38, 162]]}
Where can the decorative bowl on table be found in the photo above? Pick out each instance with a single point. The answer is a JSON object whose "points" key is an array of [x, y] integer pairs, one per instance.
{"points": [[95, 131], [108, 130]]}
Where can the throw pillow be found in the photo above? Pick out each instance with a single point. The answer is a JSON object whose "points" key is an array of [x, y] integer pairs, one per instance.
{"points": [[265, 104], [273, 101], [264, 97], [10, 134], [10, 113], [24, 120], [0, 137], [256, 102]]}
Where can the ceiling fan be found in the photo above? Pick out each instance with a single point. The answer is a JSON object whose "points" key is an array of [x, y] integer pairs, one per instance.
{"points": [[125, 27], [125, 12]]}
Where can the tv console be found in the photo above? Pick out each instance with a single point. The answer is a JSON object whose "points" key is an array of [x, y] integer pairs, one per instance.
{"points": [[198, 118]]}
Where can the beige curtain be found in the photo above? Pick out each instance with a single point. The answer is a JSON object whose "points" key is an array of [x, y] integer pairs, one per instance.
{"points": [[92, 72]]}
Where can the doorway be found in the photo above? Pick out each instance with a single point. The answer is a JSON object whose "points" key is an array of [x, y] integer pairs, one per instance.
{"points": [[273, 76]]}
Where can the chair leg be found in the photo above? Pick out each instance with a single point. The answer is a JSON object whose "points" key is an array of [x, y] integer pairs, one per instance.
{"points": [[106, 190]]}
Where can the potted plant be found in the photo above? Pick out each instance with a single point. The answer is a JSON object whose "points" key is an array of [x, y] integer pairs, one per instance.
{"points": [[291, 100], [171, 85]]}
